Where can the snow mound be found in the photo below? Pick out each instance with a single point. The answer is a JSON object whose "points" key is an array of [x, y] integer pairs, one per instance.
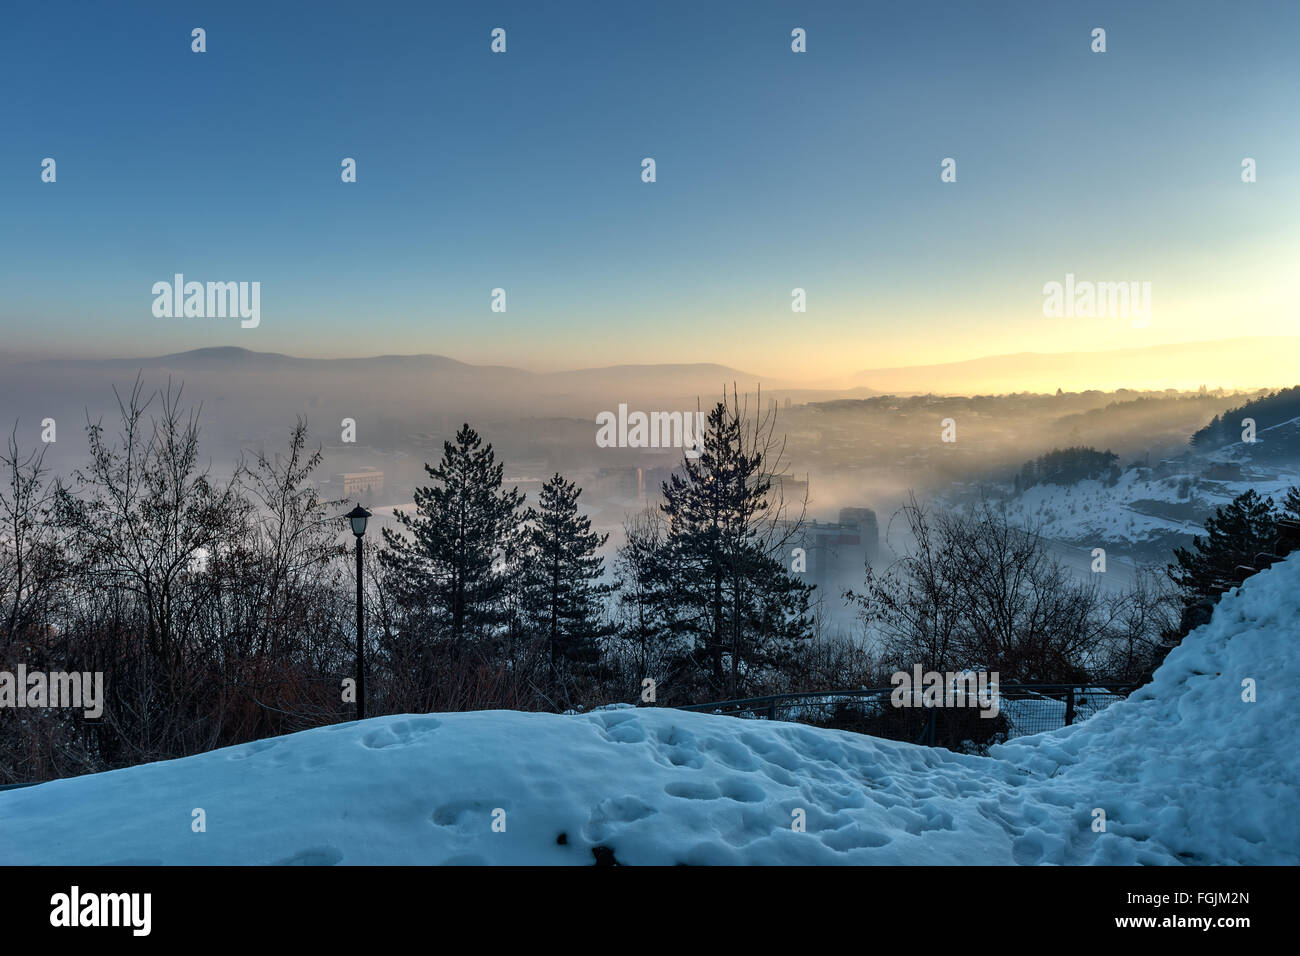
{"points": [[1187, 766], [1185, 771]]}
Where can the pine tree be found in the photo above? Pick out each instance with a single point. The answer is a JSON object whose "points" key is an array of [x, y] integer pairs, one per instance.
{"points": [[450, 571], [1292, 501], [644, 600], [1233, 536], [564, 597], [733, 595]]}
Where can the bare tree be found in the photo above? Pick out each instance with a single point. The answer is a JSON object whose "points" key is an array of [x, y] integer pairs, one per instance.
{"points": [[30, 557], [975, 591], [144, 515]]}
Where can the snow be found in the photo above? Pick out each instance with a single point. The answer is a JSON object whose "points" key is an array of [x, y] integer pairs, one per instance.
{"points": [[1275, 442], [1092, 511], [1185, 771], [1136, 510]]}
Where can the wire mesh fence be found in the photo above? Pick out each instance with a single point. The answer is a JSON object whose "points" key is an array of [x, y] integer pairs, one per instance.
{"points": [[968, 725]]}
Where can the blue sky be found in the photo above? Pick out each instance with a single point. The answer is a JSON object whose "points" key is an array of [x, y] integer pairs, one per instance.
{"points": [[775, 170]]}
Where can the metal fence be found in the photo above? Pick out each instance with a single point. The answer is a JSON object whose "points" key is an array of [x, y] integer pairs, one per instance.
{"points": [[1021, 709]]}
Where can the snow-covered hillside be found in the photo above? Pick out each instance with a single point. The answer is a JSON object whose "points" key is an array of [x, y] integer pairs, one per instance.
{"points": [[1138, 510], [1273, 443], [1185, 771]]}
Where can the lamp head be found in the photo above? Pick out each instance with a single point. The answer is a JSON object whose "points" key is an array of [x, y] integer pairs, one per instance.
{"points": [[358, 516]]}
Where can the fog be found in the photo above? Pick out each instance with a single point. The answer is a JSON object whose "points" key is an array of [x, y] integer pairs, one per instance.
{"points": [[842, 449]]}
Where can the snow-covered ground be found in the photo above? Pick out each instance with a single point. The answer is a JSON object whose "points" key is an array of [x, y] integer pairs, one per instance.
{"points": [[1136, 510], [1184, 770]]}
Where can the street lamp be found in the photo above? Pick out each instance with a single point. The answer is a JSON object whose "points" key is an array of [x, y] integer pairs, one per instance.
{"points": [[358, 516]]}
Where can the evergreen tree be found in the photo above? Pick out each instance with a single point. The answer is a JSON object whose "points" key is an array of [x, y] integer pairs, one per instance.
{"points": [[1233, 536], [1068, 466], [1292, 501], [1266, 409], [563, 595], [645, 602], [733, 596], [450, 573]]}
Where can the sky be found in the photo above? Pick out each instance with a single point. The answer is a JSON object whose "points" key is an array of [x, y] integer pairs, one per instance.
{"points": [[775, 170]]}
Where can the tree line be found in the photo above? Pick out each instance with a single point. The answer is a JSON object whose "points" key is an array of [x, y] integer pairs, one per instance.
{"points": [[222, 610], [1067, 466], [1274, 408]]}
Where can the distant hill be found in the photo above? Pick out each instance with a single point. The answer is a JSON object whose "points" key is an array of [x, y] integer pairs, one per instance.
{"points": [[1272, 360], [426, 374], [246, 359], [404, 388], [1268, 412], [1276, 419]]}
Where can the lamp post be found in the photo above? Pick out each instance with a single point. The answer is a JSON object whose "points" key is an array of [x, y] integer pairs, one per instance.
{"points": [[358, 516]]}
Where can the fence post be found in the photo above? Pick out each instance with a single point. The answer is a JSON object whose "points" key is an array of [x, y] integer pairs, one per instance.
{"points": [[1069, 706], [771, 710], [927, 733]]}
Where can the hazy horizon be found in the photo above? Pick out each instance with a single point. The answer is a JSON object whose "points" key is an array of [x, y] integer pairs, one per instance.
{"points": [[1265, 362]]}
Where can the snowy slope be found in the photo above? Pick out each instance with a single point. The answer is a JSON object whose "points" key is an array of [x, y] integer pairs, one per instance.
{"points": [[1090, 511], [1185, 763], [1276, 443], [1184, 770], [1136, 510]]}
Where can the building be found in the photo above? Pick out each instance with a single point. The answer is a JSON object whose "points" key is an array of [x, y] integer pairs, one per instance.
{"points": [[836, 553], [864, 519], [619, 483], [353, 484]]}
